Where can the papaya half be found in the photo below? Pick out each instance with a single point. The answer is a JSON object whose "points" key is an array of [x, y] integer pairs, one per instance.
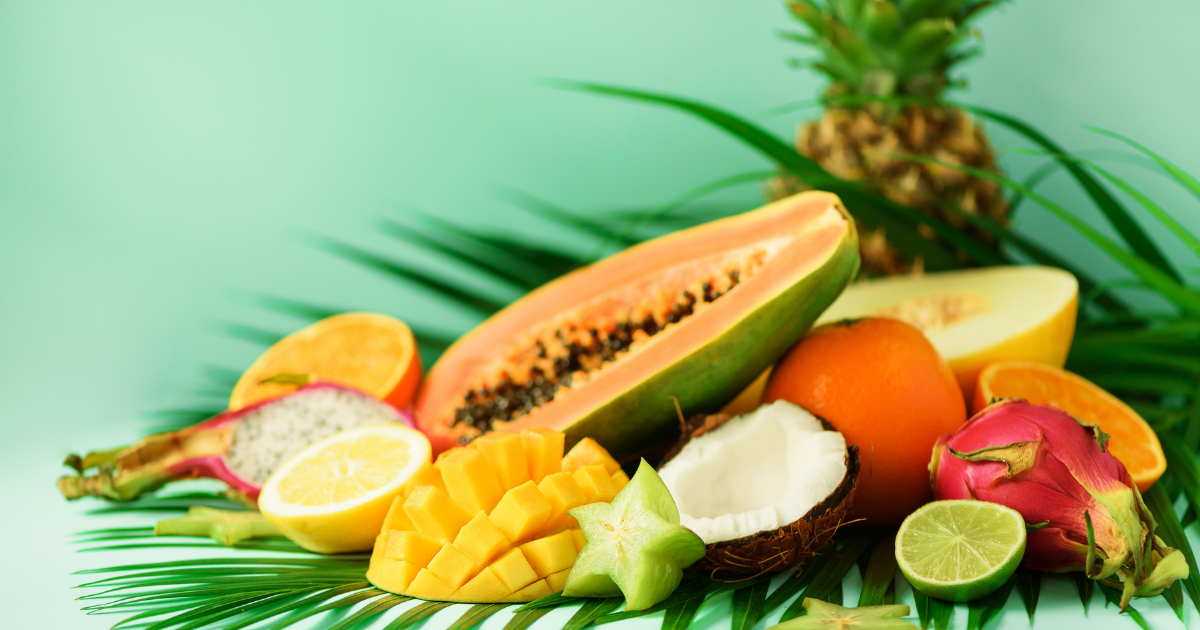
{"points": [[605, 351]]}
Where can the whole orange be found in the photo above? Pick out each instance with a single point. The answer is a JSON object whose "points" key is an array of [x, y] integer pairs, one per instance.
{"points": [[881, 384]]}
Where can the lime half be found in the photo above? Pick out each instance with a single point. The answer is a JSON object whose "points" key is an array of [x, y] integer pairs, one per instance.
{"points": [[960, 550]]}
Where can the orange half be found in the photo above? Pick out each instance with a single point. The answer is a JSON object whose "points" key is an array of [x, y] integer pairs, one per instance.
{"points": [[372, 353], [1133, 442]]}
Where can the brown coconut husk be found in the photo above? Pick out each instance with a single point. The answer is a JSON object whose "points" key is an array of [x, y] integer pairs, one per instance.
{"points": [[784, 548]]}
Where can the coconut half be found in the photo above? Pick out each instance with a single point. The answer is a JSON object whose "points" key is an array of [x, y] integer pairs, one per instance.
{"points": [[763, 490]]}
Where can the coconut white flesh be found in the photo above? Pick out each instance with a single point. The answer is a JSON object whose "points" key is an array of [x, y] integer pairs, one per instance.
{"points": [[757, 472], [962, 312]]}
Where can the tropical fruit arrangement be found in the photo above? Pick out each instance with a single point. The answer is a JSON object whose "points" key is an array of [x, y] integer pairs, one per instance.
{"points": [[672, 411]]}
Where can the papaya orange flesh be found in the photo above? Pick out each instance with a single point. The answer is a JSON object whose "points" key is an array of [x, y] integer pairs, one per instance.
{"points": [[695, 315]]}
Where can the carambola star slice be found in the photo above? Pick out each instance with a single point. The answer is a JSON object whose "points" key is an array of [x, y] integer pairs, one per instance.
{"points": [[825, 616], [635, 545]]}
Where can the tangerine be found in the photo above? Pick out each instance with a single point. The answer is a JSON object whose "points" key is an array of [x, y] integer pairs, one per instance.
{"points": [[884, 386], [373, 353], [1132, 441]]}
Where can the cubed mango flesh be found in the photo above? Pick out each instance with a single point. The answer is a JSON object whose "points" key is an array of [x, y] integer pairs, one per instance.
{"points": [[396, 518], [470, 481], [550, 554], [453, 567], [620, 479], [563, 493], [434, 513], [522, 512], [427, 586], [392, 575], [485, 587], [588, 452], [487, 522], [481, 540], [513, 569], [505, 453], [412, 547], [537, 590], [543, 451], [596, 483], [426, 475], [380, 544], [556, 581]]}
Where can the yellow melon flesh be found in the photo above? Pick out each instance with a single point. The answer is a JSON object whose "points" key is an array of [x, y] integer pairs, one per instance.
{"points": [[977, 316], [487, 522]]}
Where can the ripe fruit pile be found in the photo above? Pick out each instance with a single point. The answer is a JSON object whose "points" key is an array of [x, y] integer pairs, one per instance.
{"points": [[616, 354], [488, 521]]}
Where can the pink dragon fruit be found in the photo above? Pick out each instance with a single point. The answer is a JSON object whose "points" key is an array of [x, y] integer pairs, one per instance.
{"points": [[241, 448], [1082, 508]]}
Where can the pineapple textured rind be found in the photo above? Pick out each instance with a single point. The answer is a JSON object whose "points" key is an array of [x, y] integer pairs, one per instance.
{"points": [[882, 49]]}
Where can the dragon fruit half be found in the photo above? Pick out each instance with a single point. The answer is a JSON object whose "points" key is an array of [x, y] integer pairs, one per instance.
{"points": [[241, 448], [1082, 508]]}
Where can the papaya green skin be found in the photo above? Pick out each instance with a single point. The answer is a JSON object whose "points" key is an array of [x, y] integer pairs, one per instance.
{"points": [[713, 374]]}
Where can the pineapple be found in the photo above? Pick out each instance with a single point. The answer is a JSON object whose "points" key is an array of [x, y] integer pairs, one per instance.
{"points": [[906, 48]]}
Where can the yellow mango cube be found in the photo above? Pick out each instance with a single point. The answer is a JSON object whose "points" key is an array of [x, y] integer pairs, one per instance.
{"points": [[412, 547], [396, 518], [534, 591], [522, 512], [563, 493], [514, 571], [543, 451], [427, 586], [558, 581], [469, 480], [453, 567], [550, 554], [380, 544], [620, 479], [596, 482], [505, 453], [435, 514], [392, 575], [487, 522], [485, 587], [426, 475], [588, 452], [481, 540]]}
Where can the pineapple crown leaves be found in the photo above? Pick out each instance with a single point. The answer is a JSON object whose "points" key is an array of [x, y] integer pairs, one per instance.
{"points": [[886, 47]]}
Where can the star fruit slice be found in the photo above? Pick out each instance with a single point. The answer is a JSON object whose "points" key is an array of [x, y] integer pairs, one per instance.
{"points": [[825, 616], [635, 545]]}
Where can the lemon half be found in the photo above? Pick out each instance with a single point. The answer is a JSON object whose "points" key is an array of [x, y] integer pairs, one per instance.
{"points": [[333, 496]]}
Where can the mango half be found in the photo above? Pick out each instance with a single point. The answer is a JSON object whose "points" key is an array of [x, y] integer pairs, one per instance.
{"points": [[488, 522]]}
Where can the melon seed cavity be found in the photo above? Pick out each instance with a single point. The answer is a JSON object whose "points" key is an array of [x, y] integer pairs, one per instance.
{"points": [[928, 313]]}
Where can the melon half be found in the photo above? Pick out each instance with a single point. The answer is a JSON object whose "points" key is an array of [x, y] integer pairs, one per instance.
{"points": [[977, 316]]}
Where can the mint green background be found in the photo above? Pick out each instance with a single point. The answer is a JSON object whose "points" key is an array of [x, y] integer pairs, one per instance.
{"points": [[162, 161]]}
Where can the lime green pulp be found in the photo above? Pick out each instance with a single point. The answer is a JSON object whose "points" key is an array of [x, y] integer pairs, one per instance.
{"points": [[960, 550]]}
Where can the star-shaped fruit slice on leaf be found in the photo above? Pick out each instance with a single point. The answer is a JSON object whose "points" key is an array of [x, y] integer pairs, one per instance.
{"points": [[224, 526], [635, 545], [825, 616]]}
